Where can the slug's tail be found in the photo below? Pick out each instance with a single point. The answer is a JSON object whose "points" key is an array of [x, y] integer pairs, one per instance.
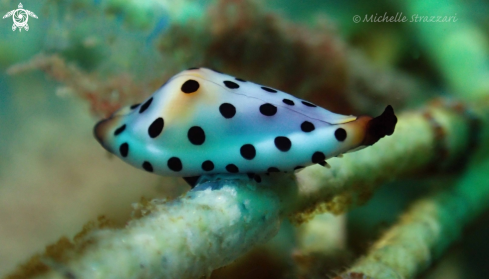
{"points": [[368, 130], [380, 126]]}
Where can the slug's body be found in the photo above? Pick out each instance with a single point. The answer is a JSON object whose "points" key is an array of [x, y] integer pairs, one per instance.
{"points": [[203, 122]]}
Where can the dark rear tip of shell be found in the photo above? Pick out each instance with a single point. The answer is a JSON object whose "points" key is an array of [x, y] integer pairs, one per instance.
{"points": [[381, 126]]}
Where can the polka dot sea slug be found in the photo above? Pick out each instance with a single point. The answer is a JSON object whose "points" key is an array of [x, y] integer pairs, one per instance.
{"points": [[202, 122]]}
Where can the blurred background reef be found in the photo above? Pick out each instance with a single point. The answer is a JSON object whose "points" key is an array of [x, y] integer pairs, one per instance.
{"points": [[83, 59]]}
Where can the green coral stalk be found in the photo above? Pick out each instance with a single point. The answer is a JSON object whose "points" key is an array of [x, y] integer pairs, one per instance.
{"points": [[428, 228]]}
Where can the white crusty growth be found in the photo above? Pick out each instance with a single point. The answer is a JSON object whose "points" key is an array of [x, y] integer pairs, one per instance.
{"points": [[205, 122]]}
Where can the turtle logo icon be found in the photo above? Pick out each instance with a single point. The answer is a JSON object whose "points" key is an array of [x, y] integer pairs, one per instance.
{"points": [[20, 17]]}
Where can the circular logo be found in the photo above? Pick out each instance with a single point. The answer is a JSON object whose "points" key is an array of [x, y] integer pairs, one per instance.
{"points": [[20, 17]]}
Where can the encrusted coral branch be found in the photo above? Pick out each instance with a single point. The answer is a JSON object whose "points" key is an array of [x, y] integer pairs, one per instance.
{"points": [[189, 237], [214, 224], [104, 95], [428, 228]]}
